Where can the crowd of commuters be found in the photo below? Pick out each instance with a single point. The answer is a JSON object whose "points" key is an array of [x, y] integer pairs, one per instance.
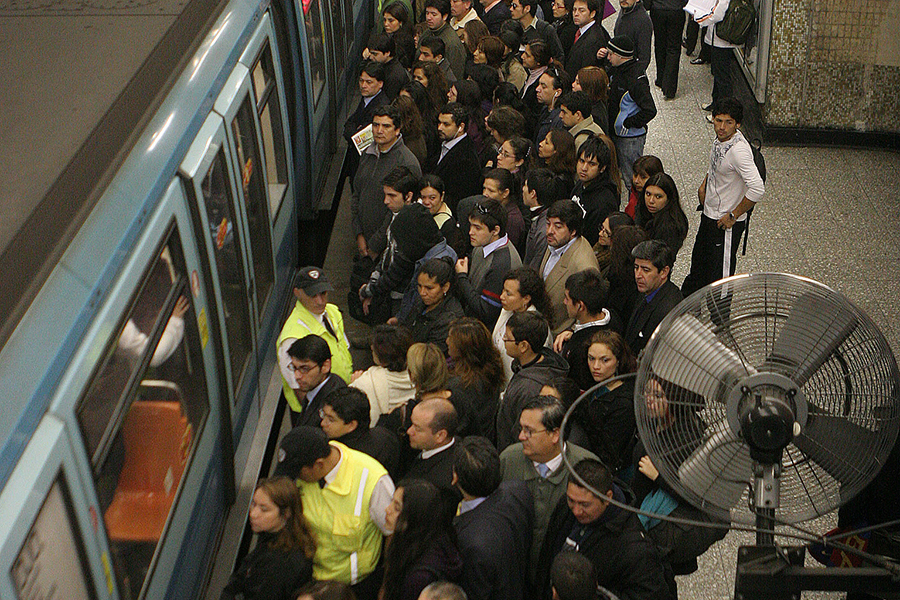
{"points": [[514, 249]]}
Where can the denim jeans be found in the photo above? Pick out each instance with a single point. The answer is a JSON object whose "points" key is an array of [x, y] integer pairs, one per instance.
{"points": [[628, 150]]}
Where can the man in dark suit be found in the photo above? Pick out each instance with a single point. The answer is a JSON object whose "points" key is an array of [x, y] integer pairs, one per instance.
{"points": [[383, 50], [589, 37], [457, 164], [495, 13], [311, 362], [494, 525], [432, 430], [653, 262], [371, 82], [345, 419]]}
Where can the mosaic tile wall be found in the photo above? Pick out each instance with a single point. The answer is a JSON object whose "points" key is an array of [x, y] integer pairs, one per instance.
{"points": [[835, 64]]}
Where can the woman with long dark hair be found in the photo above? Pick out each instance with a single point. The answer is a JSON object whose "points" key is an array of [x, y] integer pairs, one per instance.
{"points": [[594, 82], [398, 24], [557, 152], [281, 561], [623, 292], [476, 371], [523, 289], [430, 319], [422, 548], [502, 186], [604, 239], [429, 113], [660, 214], [467, 93], [431, 76], [412, 126]]}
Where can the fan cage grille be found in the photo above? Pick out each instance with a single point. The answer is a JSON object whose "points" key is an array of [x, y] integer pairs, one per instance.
{"points": [[773, 323]]}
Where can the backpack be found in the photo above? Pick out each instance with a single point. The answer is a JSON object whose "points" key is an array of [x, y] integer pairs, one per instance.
{"points": [[760, 161], [739, 18]]}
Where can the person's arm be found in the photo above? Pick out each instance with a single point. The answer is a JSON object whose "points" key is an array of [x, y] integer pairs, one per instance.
{"points": [[644, 99], [395, 277], [701, 191], [284, 363], [382, 495], [556, 49], [755, 187], [483, 304]]}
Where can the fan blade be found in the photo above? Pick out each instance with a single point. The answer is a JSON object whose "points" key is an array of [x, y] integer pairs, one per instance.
{"points": [[691, 356], [720, 469], [831, 440], [813, 331]]}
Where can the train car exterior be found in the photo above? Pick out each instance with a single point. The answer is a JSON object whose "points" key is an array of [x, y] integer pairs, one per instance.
{"points": [[139, 378]]}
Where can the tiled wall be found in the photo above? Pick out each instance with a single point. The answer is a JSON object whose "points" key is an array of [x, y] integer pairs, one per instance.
{"points": [[835, 64]]}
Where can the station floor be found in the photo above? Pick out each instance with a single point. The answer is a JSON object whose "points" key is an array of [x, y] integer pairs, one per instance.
{"points": [[828, 214]]}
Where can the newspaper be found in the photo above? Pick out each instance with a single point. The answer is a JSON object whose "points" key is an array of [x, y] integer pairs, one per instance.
{"points": [[363, 139], [700, 10]]}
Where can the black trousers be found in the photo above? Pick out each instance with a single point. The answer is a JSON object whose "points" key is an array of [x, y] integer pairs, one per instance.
{"points": [[720, 62], [714, 256], [691, 35], [667, 27]]}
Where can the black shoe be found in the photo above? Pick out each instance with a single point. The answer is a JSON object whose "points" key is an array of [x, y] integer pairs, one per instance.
{"points": [[708, 107], [699, 61], [668, 96]]}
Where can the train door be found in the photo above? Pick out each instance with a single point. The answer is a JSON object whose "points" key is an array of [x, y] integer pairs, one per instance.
{"points": [[311, 20], [140, 398], [210, 180], [52, 547]]}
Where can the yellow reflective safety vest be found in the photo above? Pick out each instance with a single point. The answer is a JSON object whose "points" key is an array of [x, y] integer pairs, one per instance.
{"points": [[348, 542], [300, 324]]}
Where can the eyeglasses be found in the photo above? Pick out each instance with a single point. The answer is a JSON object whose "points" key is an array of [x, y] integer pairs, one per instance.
{"points": [[303, 369], [506, 154], [527, 432], [509, 341]]}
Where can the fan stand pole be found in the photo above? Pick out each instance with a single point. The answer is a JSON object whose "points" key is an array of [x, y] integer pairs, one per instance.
{"points": [[767, 488]]}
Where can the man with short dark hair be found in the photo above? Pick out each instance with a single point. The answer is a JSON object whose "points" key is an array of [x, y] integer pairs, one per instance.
{"points": [[437, 15], [533, 367], [536, 460], [432, 431], [552, 84], [345, 419], [653, 262], [540, 191], [479, 279], [371, 85], [585, 301], [631, 105], [590, 35], [367, 207], [575, 112], [339, 485], [494, 525], [311, 363], [731, 188], [634, 22], [432, 49], [572, 577], [535, 29], [312, 315], [382, 49], [457, 163], [567, 252], [595, 191], [625, 559]]}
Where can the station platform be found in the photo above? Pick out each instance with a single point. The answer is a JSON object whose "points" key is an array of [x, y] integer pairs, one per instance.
{"points": [[828, 214]]}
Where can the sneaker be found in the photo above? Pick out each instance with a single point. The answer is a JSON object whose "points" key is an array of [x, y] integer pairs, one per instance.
{"points": [[698, 61]]}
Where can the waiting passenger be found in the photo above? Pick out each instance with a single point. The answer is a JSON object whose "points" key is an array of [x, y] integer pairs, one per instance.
{"points": [[345, 419], [492, 258], [431, 195], [432, 432], [382, 49], [324, 471], [653, 262], [595, 191], [432, 50], [457, 164], [429, 320], [539, 191], [603, 247], [661, 214], [422, 549], [533, 365], [371, 82], [477, 377], [500, 185], [523, 289], [313, 315], [281, 561], [311, 362], [643, 169], [444, 590], [387, 384]]}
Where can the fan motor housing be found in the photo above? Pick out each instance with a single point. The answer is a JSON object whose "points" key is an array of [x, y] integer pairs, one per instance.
{"points": [[768, 410]]}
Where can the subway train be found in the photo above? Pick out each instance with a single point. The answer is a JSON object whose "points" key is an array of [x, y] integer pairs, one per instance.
{"points": [[169, 163]]}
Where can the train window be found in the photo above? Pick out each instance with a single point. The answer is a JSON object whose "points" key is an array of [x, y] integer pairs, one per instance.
{"points": [[315, 37], [51, 562], [254, 191], [337, 37], [227, 248], [152, 421], [268, 105]]}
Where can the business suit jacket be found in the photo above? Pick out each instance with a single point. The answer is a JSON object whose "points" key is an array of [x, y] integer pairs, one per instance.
{"points": [[647, 315], [460, 171], [583, 53], [362, 116], [438, 470], [494, 539], [579, 257], [495, 17], [310, 415]]}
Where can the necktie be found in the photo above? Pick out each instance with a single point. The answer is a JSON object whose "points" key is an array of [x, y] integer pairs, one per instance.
{"points": [[328, 326], [543, 470], [577, 35]]}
